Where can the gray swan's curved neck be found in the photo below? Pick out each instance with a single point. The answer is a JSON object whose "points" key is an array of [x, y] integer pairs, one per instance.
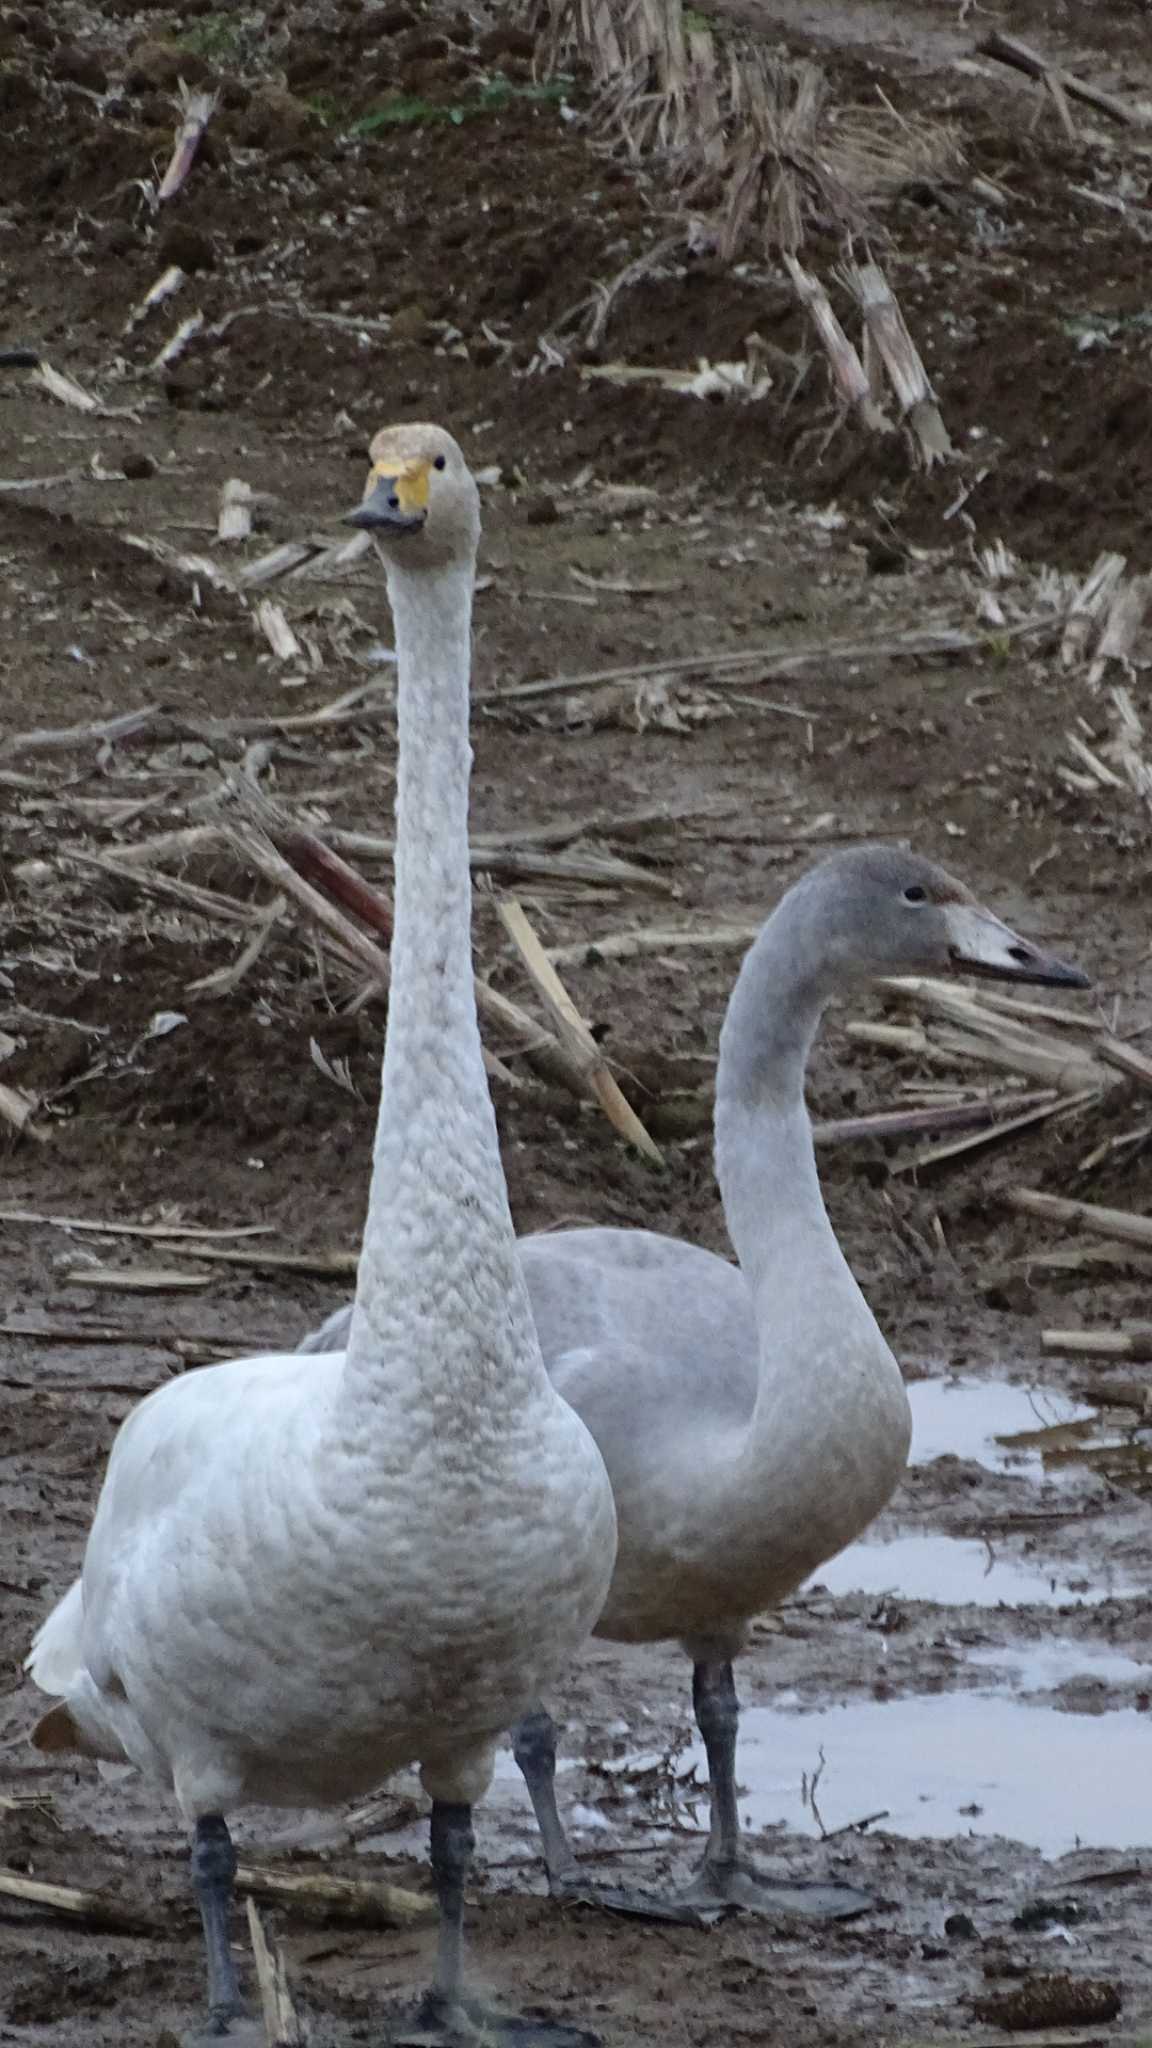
{"points": [[765, 1157], [441, 1320], [829, 1429]]}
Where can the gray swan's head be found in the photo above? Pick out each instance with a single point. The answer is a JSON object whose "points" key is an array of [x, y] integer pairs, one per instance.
{"points": [[420, 502], [879, 910]]}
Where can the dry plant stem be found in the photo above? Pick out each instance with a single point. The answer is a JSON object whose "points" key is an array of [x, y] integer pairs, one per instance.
{"points": [[282, 2023], [516, 863], [1089, 606], [182, 1341], [129, 725], [361, 1902], [135, 1280], [209, 902], [106, 1227], [600, 1081], [80, 1905], [885, 323], [1122, 625], [1115, 1052], [18, 1108], [772, 661], [256, 851], [1021, 56], [626, 945], [1136, 1344], [317, 557], [289, 855], [154, 722], [235, 520], [330, 1265], [273, 623], [934, 1158], [171, 352], [164, 846], [197, 109], [1086, 1258], [918, 1123], [1123, 1224], [848, 373], [223, 980], [166, 286], [928, 990]]}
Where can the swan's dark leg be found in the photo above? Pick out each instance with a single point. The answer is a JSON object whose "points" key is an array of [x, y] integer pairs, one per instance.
{"points": [[214, 1876], [717, 1711], [448, 2018], [453, 1845], [727, 1877], [534, 1748]]}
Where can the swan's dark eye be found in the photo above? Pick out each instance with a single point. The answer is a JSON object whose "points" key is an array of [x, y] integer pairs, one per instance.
{"points": [[914, 893], [441, 462]]}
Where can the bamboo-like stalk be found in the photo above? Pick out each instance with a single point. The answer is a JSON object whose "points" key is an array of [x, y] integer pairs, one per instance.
{"points": [[1123, 1224], [363, 1902], [574, 1032], [283, 2026]]}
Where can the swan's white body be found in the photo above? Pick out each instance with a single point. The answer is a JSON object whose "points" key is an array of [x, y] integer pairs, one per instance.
{"points": [[271, 1612], [302, 1573]]}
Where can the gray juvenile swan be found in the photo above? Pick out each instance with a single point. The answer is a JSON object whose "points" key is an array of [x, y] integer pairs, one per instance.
{"points": [[752, 1418], [304, 1574]]}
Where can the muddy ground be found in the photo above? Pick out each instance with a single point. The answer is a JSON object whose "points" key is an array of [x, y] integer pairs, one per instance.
{"points": [[972, 1682]]}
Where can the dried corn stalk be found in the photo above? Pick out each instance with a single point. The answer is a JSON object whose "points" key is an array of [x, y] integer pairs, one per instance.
{"points": [[748, 138]]}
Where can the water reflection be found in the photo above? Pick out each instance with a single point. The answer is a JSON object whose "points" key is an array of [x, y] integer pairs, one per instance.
{"points": [[949, 1764], [958, 1571]]}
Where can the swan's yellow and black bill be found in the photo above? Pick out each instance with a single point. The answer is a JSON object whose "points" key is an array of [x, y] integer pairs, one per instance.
{"points": [[982, 945], [396, 500]]}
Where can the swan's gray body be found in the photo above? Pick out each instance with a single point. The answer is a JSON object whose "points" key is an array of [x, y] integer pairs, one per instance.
{"points": [[752, 1418]]}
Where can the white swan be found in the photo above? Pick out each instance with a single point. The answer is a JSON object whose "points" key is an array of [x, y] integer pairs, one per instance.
{"points": [[305, 1574], [752, 1418]]}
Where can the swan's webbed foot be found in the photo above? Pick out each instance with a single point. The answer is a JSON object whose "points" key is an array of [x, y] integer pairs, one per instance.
{"points": [[447, 2016], [717, 1891], [235, 2030], [466, 2023], [720, 1887], [636, 1905]]}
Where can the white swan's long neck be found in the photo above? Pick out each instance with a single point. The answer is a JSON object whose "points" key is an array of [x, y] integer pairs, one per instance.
{"points": [[442, 1328], [830, 1416]]}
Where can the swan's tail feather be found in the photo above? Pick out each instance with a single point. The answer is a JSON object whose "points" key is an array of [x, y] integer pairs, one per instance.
{"points": [[57, 1656]]}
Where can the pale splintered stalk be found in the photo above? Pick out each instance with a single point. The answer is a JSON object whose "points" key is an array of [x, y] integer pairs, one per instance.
{"points": [[573, 1032], [168, 283], [197, 109], [65, 389], [176, 345], [1122, 627], [848, 372], [885, 325], [272, 622], [1090, 604], [234, 521]]}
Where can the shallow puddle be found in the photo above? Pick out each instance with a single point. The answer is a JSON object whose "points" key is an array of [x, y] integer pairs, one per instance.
{"points": [[958, 1571], [1031, 1432], [1040, 1667], [949, 1764], [978, 1420]]}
